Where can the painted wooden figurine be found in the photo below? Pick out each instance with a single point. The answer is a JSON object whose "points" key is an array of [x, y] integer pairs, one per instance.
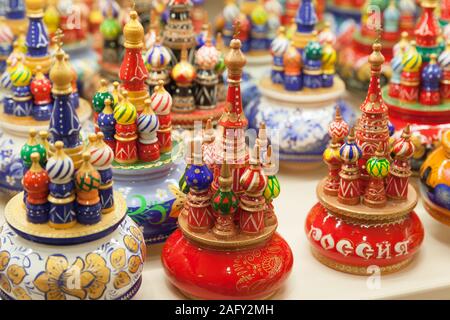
{"points": [[36, 184]]}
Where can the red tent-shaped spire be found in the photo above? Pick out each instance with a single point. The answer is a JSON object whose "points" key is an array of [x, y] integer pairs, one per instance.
{"points": [[235, 62], [427, 29]]}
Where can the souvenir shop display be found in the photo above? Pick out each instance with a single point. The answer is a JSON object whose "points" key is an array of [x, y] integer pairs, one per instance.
{"points": [[388, 21], [73, 19], [419, 90], [67, 236], [148, 158], [435, 181], [28, 100], [365, 214], [299, 98], [226, 246]]}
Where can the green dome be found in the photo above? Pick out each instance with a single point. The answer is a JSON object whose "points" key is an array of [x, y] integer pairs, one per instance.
{"points": [[313, 50], [110, 29]]}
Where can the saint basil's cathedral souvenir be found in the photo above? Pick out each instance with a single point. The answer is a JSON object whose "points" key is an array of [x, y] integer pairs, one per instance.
{"points": [[299, 98], [138, 127], [69, 221], [388, 21], [365, 215], [435, 181], [227, 246], [419, 90], [29, 102]]}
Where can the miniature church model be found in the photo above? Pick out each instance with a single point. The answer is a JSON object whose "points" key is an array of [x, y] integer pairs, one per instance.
{"points": [[367, 187]]}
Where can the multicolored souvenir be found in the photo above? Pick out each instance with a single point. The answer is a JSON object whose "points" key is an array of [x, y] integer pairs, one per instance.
{"points": [[364, 221], [74, 250], [223, 223], [137, 128], [300, 97], [418, 93]]}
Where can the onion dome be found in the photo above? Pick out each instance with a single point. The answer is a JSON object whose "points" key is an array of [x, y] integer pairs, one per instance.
{"points": [[338, 128], [272, 189], [391, 16], [110, 29], [51, 18], [444, 57], [16, 54], [158, 56], [41, 87], [374, 102], [60, 166], [110, 9], [225, 201], [87, 178], [412, 59], [148, 123], [36, 179], [183, 73], [403, 148], [20, 74], [207, 56], [133, 32], [402, 45], [161, 100], [198, 176], [105, 118], [30, 147], [259, 15], [326, 35], [292, 61], [5, 78], [328, 58], [6, 35], [125, 112], [427, 29], [98, 101], [280, 43], [331, 155], [231, 11], [378, 166], [102, 155], [350, 152], [253, 180], [306, 17], [432, 72], [313, 50], [61, 75]]}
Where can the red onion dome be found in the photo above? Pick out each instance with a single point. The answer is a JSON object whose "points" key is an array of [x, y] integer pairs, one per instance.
{"points": [[41, 87], [36, 180], [102, 155], [183, 72], [338, 128], [292, 61], [403, 147], [253, 181], [161, 100]]}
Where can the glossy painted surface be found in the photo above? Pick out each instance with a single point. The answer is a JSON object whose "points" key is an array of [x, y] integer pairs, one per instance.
{"points": [[363, 245], [252, 273]]}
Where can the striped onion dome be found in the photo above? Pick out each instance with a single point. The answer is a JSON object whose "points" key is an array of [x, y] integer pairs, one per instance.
{"points": [[148, 121], [402, 45], [444, 57], [259, 16], [158, 56], [110, 8], [403, 147], [378, 166], [412, 59], [5, 80], [350, 152], [280, 43], [125, 112], [272, 189], [6, 35], [161, 100], [102, 155], [20, 75], [253, 181], [207, 56], [328, 57], [60, 167], [231, 11]]}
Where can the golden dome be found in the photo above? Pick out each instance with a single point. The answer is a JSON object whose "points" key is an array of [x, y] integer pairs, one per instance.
{"points": [[235, 60], [35, 8], [133, 32], [376, 59], [61, 75]]}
